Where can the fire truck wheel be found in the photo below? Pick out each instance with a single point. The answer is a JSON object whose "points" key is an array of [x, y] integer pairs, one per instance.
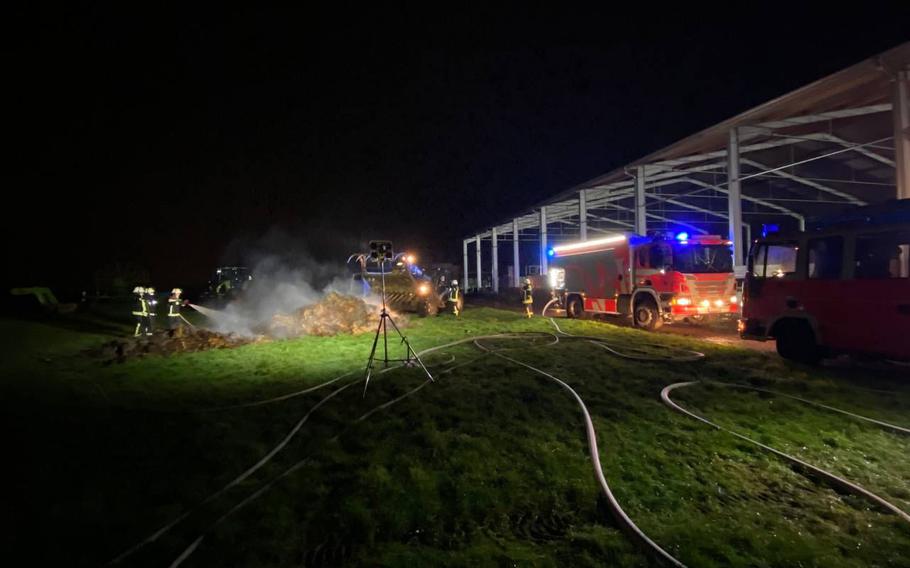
{"points": [[796, 342], [646, 315], [575, 308]]}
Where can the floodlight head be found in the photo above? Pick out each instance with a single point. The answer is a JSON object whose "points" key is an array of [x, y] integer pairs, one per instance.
{"points": [[381, 250]]}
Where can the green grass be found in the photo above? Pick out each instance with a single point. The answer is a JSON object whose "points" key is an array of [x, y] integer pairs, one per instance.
{"points": [[487, 466]]}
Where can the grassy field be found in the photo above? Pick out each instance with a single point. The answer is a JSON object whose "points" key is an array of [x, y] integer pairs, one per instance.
{"points": [[486, 466]]}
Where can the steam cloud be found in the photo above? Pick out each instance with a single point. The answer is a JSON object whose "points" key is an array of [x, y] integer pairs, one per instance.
{"points": [[285, 278]]}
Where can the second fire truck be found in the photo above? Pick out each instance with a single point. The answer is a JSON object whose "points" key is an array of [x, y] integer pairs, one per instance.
{"points": [[654, 279]]}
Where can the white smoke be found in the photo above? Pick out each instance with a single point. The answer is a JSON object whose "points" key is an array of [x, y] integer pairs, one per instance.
{"points": [[285, 278]]}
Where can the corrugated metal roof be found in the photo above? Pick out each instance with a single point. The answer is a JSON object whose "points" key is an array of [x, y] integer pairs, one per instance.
{"points": [[858, 96], [864, 84]]}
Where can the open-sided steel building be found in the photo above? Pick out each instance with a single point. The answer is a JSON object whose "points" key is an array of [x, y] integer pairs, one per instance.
{"points": [[840, 141]]}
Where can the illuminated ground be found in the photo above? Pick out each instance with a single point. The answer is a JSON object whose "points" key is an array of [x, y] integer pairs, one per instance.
{"points": [[488, 466]]}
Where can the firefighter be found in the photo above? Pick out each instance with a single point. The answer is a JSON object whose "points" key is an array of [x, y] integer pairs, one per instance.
{"points": [[527, 297], [454, 295], [152, 307], [143, 321], [174, 303]]}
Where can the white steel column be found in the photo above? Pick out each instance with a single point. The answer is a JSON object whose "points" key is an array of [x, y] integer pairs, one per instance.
{"points": [[543, 240], [901, 111], [734, 203], [464, 253], [495, 256], [479, 273], [516, 263], [641, 214], [583, 214]]}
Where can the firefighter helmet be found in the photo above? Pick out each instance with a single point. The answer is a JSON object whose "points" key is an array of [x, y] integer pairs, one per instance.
{"points": [[150, 291], [176, 291], [138, 290], [527, 280], [454, 282]]}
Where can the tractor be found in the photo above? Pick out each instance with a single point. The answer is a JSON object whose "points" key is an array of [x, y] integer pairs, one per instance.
{"points": [[407, 287]]}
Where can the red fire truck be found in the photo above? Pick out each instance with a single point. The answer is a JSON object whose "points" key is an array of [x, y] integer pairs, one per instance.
{"points": [[841, 287], [654, 279]]}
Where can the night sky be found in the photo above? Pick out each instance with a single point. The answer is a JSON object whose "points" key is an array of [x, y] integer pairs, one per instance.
{"points": [[171, 139]]}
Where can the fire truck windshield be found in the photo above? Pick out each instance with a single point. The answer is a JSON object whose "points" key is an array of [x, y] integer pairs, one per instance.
{"points": [[699, 259]]}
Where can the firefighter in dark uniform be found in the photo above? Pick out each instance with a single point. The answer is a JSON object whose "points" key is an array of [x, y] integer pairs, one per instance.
{"points": [[141, 311], [152, 307], [527, 297], [174, 303], [454, 296]]}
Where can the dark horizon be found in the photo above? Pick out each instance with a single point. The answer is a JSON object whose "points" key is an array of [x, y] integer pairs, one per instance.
{"points": [[170, 145]]}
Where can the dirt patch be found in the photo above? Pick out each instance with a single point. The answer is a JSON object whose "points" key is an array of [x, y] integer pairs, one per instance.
{"points": [[183, 340]]}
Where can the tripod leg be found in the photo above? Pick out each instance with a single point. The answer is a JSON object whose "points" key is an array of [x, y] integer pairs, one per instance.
{"points": [[411, 349], [385, 337], [369, 368]]}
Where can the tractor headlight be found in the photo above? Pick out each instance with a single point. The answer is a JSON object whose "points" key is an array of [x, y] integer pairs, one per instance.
{"points": [[557, 278], [423, 289], [734, 300], [683, 301]]}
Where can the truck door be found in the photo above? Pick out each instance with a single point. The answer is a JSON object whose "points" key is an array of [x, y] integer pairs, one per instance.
{"points": [[823, 292], [655, 268], [773, 283], [879, 293]]}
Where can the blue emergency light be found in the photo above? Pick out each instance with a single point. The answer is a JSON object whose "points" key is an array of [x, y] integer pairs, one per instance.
{"points": [[550, 252], [682, 236], [769, 228]]}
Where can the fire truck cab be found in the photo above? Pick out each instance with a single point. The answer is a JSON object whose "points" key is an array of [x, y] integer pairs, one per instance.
{"points": [[654, 279], [841, 287]]}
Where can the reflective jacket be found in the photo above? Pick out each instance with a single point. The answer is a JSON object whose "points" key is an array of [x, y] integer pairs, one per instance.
{"points": [[173, 307], [142, 308]]}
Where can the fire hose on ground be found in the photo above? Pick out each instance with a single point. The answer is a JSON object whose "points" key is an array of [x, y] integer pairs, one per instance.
{"points": [[623, 520], [621, 517], [831, 478]]}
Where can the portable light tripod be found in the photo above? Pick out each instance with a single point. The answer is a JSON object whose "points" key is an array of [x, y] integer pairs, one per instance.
{"points": [[381, 251]]}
